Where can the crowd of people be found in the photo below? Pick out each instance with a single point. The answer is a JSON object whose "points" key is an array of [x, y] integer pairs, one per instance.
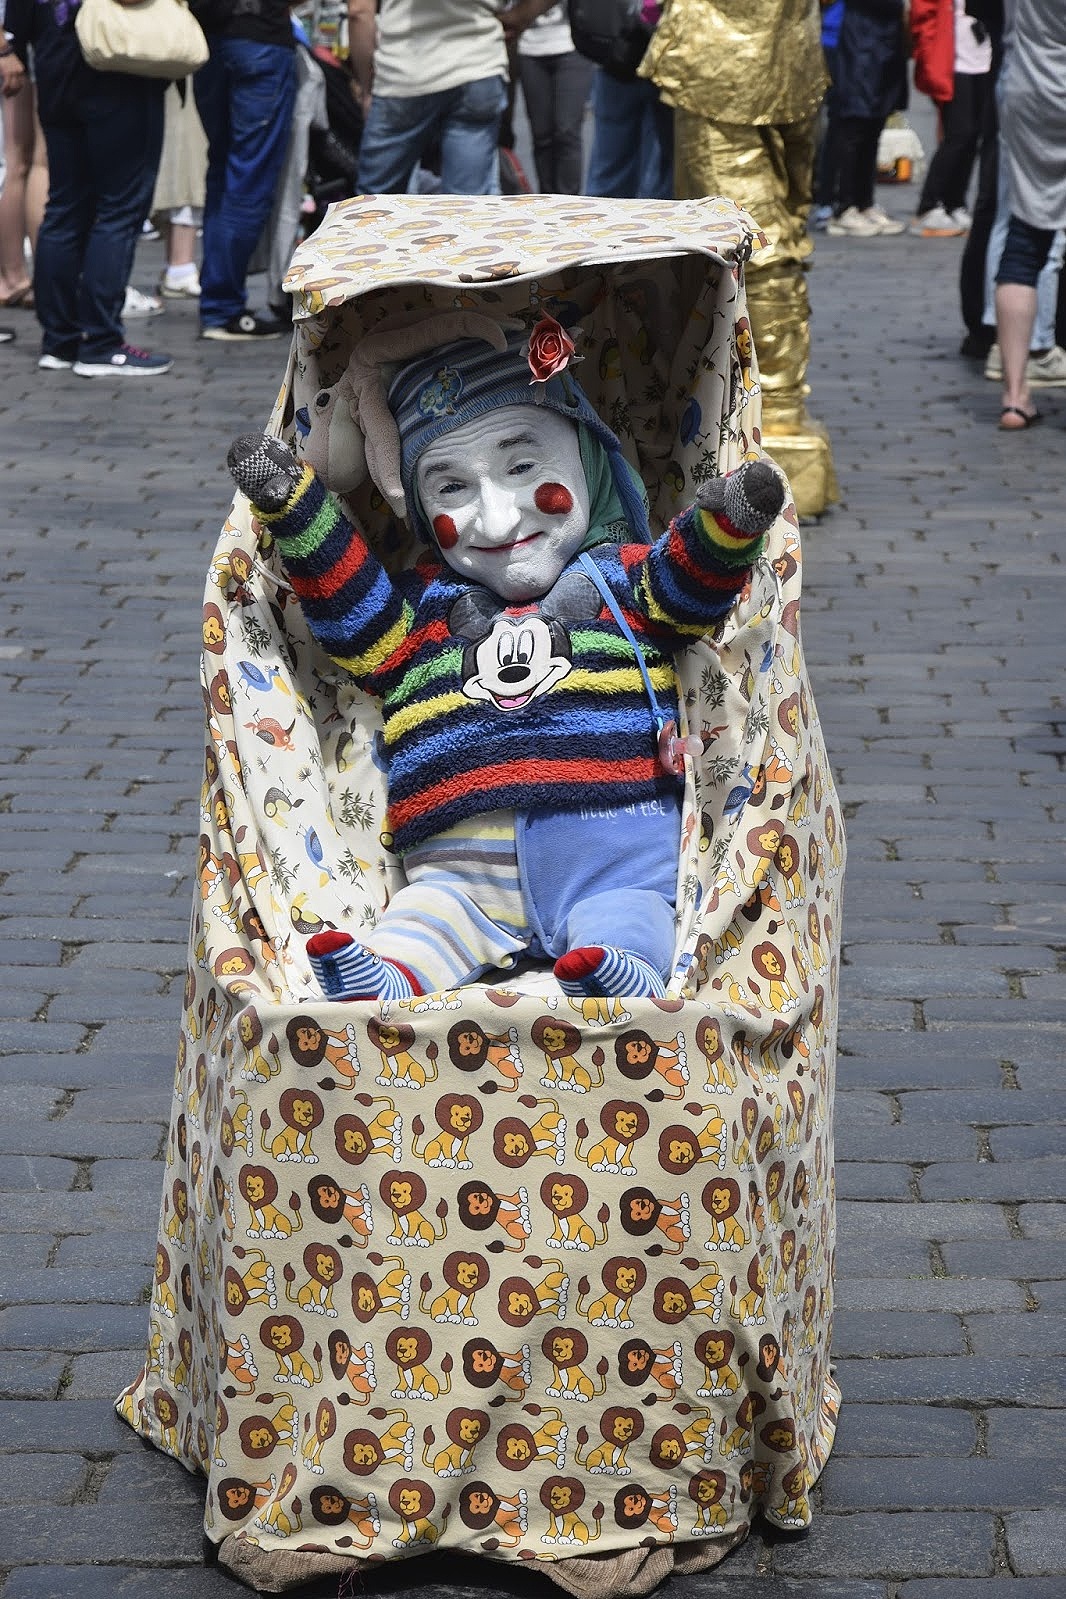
{"points": [[221, 164]]}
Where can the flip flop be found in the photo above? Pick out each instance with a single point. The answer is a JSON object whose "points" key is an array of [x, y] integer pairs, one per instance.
{"points": [[1026, 419], [21, 300]]}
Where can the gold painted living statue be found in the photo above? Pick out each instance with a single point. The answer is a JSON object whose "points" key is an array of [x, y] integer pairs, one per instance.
{"points": [[746, 79]]}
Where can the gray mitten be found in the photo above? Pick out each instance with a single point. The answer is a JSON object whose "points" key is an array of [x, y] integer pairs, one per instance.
{"points": [[264, 469], [750, 497]]}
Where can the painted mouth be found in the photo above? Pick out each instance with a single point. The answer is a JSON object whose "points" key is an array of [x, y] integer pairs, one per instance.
{"points": [[511, 702], [505, 549]]}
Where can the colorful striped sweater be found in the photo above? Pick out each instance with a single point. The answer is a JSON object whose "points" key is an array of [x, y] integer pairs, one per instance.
{"points": [[525, 707]]}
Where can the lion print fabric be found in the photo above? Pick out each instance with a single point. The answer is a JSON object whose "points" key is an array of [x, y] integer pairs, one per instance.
{"points": [[492, 1269]]}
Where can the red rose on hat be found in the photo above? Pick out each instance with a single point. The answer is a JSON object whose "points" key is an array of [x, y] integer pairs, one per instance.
{"points": [[549, 350]]}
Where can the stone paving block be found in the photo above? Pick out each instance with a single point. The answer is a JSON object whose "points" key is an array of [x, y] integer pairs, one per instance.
{"points": [[888, 1258], [925, 1067], [80, 1285], [930, 1294], [79, 1140], [902, 1332], [142, 1178], [911, 1543], [1037, 1543], [1043, 1221], [104, 1376], [932, 1485], [82, 1212], [1027, 1143], [71, 1328], [134, 1531], [1039, 1332], [1002, 1180], [35, 1173], [121, 1582], [150, 1102], [987, 1588], [858, 1179], [30, 1375], [86, 1426], [909, 1144], [1009, 1107], [36, 1038], [139, 1476], [904, 1430], [31, 1478], [116, 1249], [971, 1379], [1022, 1259], [927, 1220], [1017, 1434], [35, 1102]]}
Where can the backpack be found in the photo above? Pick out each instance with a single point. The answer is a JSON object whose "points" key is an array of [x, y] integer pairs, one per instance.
{"points": [[610, 32], [214, 16]]}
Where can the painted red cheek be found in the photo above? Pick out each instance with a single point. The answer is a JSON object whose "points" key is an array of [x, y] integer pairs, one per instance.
{"points": [[553, 499], [444, 528]]}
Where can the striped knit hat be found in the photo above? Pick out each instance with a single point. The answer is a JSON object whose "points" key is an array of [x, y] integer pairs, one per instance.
{"points": [[456, 383]]}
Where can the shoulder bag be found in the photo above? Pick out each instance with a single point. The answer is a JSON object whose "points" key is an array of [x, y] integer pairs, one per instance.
{"points": [[611, 33], [152, 39]]}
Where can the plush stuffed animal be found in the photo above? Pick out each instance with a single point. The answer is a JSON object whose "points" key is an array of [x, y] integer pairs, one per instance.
{"points": [[525, 666]]}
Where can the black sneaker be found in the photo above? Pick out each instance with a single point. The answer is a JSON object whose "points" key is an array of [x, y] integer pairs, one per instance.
{"points": [[125, 362], [249, 325]]}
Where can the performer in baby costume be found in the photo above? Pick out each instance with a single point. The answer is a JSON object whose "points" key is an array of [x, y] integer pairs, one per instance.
{"points": [[524, 667]]}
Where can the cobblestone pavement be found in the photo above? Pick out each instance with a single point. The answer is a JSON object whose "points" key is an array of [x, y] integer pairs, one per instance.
{"points": [[934, 604]]}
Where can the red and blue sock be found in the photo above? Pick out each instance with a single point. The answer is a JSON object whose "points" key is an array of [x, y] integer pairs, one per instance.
{"points": [[347, 970], [603, 972]]}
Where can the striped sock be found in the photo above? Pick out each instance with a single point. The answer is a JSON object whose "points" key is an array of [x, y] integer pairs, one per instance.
{"points": [[347, 970], [604, 973]]}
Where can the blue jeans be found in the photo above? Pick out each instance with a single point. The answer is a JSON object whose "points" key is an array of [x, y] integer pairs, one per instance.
{"points": [[632, 142], [102, 161], [245, 95], [465, 121]]}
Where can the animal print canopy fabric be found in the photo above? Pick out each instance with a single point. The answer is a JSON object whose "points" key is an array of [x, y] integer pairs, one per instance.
{"points": [[493, 1270]]}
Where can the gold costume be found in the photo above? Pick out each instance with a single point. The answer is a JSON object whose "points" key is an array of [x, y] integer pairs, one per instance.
{"points": [[746, 78]]}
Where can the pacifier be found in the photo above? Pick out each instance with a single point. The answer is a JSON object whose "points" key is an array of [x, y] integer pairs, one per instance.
{"points": [[673, 748]]}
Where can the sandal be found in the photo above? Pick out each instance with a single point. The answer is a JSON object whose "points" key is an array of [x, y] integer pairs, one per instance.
{"points": [[21, 300], [1025, 419]]}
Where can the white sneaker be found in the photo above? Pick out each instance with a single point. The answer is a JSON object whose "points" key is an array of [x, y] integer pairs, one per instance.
{"points": [[53, 363], [962, 217], [1047, 371], [820, 217], [852, 224], [936, 224], [882, 221], [126, 361], [138, 304], [186, 288]]}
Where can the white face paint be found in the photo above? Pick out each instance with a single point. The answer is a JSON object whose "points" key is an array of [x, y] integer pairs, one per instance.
{"points": [[507, 500]]}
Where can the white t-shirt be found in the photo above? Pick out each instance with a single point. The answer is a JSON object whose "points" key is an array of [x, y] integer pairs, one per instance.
{"points": [[426, 46], [549, 35], [971, 55]]}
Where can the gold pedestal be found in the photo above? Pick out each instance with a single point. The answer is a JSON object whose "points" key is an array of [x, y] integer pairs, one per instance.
{"points": [[805, 457]]}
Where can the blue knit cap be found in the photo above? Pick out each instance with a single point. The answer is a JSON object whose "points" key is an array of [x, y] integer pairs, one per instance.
{"points": [[458, 382]]}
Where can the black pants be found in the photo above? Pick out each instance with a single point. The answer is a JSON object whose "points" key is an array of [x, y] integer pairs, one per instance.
{"points": [[972, 266], [856, 161], [948, 178]]}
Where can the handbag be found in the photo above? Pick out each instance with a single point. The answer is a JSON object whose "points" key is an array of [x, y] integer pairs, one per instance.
{"points": [[152, 39], [610, 32]]}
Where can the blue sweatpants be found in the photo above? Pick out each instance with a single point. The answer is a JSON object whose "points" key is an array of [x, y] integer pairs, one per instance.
{"points": [[541, 882]]}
